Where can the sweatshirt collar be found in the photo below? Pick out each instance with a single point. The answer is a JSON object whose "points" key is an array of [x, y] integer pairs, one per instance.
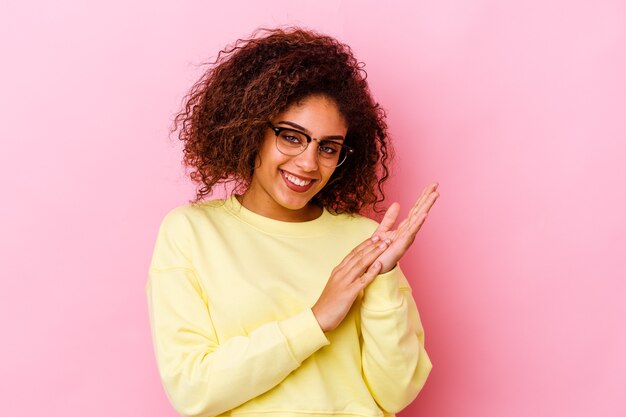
{"points": [[309, 228]]}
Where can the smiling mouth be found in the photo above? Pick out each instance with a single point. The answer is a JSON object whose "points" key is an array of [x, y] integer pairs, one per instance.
{"points": [[296, 180], [296, 183]]}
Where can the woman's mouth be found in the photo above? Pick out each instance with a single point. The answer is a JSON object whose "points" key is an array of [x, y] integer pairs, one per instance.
{"points": [[295, 183]]}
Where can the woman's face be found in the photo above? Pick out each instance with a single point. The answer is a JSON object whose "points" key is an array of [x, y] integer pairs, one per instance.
{"points": [[283, 185]]}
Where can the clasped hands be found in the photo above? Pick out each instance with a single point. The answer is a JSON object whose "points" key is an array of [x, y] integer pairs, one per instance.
{"points": [[401, 238], [376, 255]]}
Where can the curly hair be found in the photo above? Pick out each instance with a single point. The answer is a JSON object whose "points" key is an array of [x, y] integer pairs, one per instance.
{"points": [[226, 112]]}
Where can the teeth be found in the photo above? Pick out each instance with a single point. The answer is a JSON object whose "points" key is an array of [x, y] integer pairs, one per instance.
{"points": [[296, 180]]}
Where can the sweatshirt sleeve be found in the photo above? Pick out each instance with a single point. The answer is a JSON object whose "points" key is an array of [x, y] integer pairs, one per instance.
{"points": [[395, 363], [202, 375]]}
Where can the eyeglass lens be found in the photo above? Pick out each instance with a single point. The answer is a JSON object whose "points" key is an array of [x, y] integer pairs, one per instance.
{"points": [[292, 142]]}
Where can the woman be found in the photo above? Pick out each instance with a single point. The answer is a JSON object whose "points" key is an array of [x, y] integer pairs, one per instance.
{"points": [[280, 299]]}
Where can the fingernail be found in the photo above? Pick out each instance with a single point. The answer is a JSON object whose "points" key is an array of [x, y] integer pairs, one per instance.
{"points": [[375, 238], [382, 245], [387, 241]]}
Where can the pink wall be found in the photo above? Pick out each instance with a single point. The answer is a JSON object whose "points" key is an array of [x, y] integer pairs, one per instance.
{"points": [[518, 109]]}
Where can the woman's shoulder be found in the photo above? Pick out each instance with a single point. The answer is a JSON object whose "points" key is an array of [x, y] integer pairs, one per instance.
{"points": [[190, 213]]}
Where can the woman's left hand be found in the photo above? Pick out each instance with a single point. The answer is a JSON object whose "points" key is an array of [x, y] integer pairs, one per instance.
{"points": [[403, 236]]}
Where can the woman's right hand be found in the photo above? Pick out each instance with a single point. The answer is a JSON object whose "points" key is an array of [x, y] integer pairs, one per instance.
{"points": [[348, 278]]}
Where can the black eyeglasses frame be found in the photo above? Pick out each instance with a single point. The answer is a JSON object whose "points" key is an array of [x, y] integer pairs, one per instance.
{"points": [[277, 129]]}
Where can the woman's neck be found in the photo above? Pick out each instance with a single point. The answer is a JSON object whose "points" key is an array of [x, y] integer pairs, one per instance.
{"points": [[274, 211]]}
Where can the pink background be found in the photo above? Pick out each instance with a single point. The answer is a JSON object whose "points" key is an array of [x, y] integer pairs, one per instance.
{"points": [[517, 108]]}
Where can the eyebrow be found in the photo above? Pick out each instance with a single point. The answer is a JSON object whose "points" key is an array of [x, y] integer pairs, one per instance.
{"points": [[305, 130]]}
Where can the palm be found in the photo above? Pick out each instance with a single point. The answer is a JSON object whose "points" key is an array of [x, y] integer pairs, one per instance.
{"points": [[403, 236]]}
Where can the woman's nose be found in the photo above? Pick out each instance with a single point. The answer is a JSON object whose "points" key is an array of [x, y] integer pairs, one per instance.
{"points": [[307, 160]]}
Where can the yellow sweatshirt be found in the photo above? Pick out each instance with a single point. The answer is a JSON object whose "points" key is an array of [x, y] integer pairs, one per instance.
{"points": [[230, 295]]}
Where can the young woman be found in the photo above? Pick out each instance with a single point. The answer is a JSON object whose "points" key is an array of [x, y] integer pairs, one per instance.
{"points": [[281, 299]]}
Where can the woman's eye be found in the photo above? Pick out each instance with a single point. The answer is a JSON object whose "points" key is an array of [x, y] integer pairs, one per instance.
{"points": [[330, 150], [290, 139]]}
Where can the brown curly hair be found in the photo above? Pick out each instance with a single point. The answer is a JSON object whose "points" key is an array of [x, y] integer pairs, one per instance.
{"points": [[226, 113]]}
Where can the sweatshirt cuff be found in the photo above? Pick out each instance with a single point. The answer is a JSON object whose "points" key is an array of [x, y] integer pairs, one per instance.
{"points": [[304, 334], [383, 293]]}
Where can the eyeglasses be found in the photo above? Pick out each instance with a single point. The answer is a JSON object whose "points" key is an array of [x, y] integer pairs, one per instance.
{"points": [[293, 142]]}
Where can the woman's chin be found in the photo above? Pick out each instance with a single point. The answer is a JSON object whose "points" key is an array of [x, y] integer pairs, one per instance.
{"points": [[295, 204], [298, 205]]}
